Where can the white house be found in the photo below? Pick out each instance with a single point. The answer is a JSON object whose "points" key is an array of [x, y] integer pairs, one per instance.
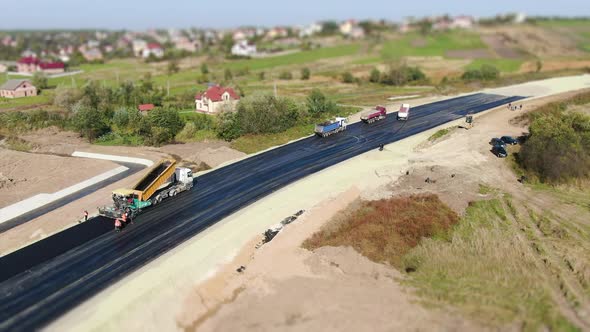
{"points": [[243, 48], [215, 99], [138, 46], [153, 49], [310, 30], [462, 22], [347, 26]]}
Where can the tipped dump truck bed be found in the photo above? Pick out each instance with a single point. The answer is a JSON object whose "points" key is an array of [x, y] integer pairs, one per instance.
{"points": [[157, 175]]}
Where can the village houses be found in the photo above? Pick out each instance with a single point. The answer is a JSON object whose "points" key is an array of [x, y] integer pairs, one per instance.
{"points": [[17, 88], [216, 99], [29, 65]]}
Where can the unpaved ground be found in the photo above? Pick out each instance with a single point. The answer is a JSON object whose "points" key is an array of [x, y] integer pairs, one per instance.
{"points": [[538, 41], [235, 301], [23, 175]]}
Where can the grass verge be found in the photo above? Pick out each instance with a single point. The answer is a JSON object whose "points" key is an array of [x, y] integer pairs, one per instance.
{"points": [[488, 270]]}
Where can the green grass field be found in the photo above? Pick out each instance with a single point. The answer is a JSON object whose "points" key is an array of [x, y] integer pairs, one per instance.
{"points": [[504, 65], [295, 58], [435, 44]]}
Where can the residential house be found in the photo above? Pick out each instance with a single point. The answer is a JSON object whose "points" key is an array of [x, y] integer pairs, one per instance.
{"points": [[144, 108], [17, 88], [154, 49], [462, 22], [183, 43], [243, 48], [32, 64], [347, 26], [138, 45], [310, 30], [93, 54], [216, 99], [277, 32], [357, 32]]}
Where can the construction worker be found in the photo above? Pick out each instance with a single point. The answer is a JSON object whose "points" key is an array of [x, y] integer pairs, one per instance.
{"points": [[85, 215], [118, 225]]}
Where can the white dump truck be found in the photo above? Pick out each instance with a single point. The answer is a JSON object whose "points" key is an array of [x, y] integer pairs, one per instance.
{"points": [[404, 112]]}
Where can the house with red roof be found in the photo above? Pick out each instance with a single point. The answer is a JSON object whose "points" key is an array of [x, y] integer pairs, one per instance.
{"points": [[32, 64], [154, 49], [144, 108], [216, 99]]}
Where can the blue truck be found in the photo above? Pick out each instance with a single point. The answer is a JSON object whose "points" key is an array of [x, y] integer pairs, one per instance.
{"points": [[331, 127]]}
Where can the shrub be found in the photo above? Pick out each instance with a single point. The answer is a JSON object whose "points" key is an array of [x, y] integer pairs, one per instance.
{"points": [[305, 73], [375, 76], [228, 127], [402, 75], [204, 69], [558, 148], [317, 103], [228, 75], [40, 81], [347, 77], [485, 72], [261, 75], [285, 75]]}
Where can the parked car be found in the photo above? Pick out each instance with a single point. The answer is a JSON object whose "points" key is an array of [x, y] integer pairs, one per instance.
{"points": [[509, 140], [497, 142], [499, 151]]}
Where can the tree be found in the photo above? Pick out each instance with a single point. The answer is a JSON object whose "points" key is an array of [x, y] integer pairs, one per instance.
{"points": [[204, 69], [228, 126], [317, 103], [375, 76], [305, 73], [330, 28], [165, 125], [90, 123], [66, 97], [261, 75], [228, 75], [172, 67], [40, 80], [425, 26]]}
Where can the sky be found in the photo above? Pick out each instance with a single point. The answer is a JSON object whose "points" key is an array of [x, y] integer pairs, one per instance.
{"points": [[143, 14]]}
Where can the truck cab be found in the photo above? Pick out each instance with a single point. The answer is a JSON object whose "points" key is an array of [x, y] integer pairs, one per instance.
{"points": [[404, 112], [184, 175]]}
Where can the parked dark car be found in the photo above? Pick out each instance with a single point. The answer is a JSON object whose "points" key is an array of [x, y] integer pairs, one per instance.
{"points": [[509, 140], [498, 142], [499, 151]]}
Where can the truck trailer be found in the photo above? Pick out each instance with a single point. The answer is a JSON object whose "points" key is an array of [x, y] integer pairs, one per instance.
{"points": [[331, 127], [404, 112], [162, 181], [376, 114]]}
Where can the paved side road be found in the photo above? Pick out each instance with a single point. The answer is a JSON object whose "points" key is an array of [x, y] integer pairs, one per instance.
{"points": [[50, 286]]}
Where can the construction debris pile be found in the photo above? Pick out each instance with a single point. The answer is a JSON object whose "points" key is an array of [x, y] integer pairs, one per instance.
{"points": [[270, 233]]}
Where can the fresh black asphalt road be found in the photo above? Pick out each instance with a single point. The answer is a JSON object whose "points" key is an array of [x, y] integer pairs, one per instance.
{"points": [[41, 287], [132, 169]]}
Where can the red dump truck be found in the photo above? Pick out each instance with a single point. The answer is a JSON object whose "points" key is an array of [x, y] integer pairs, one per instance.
{"points": [[376, 114]]}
